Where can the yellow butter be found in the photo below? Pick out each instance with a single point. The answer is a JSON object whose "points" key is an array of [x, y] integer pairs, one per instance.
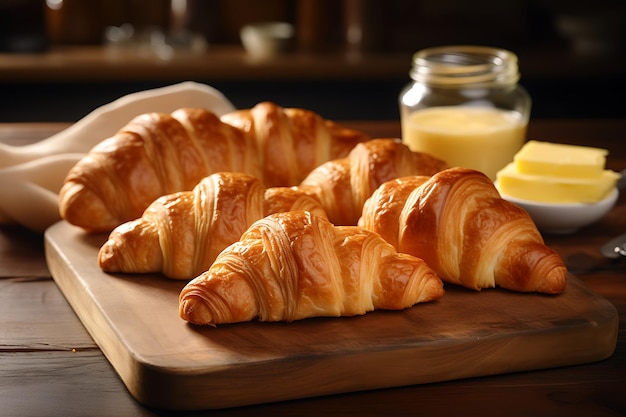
{"points": [[553, 189], [480, 138], [554, 159]]}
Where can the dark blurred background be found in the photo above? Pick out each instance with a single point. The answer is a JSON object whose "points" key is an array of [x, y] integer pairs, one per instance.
{"points": [[349, 60]]}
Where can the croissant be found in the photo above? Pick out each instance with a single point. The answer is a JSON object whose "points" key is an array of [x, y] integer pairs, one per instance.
{"points": [[457, 222], [181, 234], [294, 265], [290, 142], [157, 154], [342, 185]]}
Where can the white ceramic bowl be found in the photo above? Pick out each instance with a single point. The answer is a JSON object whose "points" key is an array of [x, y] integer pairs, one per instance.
{"points": [[266, 39], [565, 218]]}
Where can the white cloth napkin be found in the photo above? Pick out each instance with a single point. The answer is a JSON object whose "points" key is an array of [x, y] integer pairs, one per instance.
{"points": [[32, 175]]}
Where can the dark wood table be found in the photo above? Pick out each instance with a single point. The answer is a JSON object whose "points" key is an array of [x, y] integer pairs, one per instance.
{"points": [[50, 366]]}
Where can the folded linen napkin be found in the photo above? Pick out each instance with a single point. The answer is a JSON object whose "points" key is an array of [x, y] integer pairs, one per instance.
{"points": [[32, 175]]}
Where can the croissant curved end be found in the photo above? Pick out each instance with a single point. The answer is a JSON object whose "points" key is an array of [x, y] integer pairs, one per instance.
{"points": [[131, 247], [433, 290], [194, 310], [108, 258], [73, 207], [547, 274], [554, 282]]}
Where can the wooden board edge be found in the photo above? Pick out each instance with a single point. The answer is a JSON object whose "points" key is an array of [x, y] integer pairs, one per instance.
{"points": [[92, 317], [162, 388]]}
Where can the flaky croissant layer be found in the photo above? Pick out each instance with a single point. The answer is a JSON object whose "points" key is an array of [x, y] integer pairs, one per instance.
{"points": [[294, 265], [458, 223], [342, 185], [157, 154], [181, 234]]}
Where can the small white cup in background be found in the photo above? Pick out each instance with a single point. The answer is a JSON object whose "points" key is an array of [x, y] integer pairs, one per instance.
{"points": [[266, 39]]}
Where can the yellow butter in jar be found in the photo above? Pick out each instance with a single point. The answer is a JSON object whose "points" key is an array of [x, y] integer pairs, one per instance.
{"points": [[465, 106]]}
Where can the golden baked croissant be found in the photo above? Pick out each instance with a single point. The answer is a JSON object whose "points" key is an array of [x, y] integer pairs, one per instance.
{"points": [[290, 142], [158, 154], [294, 265], [342, 185], [457, 222], [181, 234]]}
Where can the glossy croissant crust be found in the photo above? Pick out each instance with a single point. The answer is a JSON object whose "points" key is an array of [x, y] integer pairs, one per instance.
{"points": [[343, 185], [458, 223], [181, 234], [294, 265], [157, 154]]}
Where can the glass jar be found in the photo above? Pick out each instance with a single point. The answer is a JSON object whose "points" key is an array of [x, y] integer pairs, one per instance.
{"points": [[465, 106]]}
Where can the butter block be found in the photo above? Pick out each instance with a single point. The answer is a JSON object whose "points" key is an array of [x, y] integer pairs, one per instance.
{"points": [[554, 189], [560, 160]]}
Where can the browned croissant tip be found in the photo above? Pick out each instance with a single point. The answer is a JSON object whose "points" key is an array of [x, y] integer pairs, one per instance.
{"points": [[79, 203], [555, 282], [107, 259], [434, 290], [194, 310], [111, 257]]}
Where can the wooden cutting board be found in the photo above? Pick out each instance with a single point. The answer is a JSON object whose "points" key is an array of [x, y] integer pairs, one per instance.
{"points": [[167, 363]]}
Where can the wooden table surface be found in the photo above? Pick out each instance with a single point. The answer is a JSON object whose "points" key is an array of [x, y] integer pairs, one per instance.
{"points": [[50, 366]]}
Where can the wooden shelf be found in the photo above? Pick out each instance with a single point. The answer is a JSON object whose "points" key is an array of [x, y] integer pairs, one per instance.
{"points": [[335, 83], [93, 63], [231, 63]]}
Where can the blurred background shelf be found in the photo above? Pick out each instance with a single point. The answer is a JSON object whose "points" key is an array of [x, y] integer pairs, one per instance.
{"points": [[219, 63], [349, 60]]}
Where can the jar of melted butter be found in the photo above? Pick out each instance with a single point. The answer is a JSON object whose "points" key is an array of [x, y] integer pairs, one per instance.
{"points": [[465, 106]]}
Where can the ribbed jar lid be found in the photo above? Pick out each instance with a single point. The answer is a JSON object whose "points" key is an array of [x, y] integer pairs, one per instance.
{"points": [[465, 66]]}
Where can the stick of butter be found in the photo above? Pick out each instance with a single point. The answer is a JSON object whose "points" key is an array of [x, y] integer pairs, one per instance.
{"points": [[557, 173], [551, 189], [554, 159]]}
